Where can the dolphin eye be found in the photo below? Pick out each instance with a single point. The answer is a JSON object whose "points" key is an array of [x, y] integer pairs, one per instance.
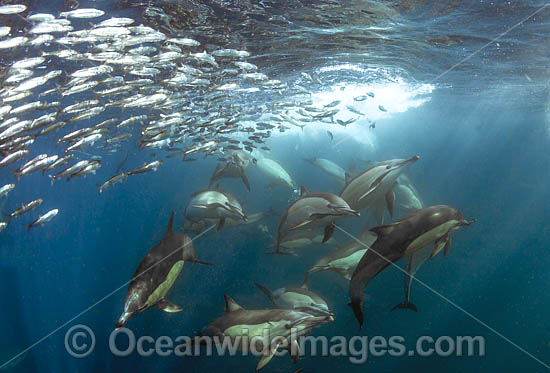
{"points": [[288, 326]]}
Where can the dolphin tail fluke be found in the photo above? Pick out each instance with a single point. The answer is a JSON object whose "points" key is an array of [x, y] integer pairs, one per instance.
{"points": [[168, 306], [28, 227], [357, 307], [405, 305], [265, 290]]}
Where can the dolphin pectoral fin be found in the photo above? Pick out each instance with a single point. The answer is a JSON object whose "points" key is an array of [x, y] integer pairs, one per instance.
{"points": [[439, 245], [405, 305], [294, 350], [267, 357], [220, 224], [347, 178], [329, 230], [447, 247], [168, 306], [390, 201]]}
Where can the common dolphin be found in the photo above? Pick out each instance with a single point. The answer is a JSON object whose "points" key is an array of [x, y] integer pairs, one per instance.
{"points": [[297, 298], [407, 196], [281, 325], [301, 238], [156, 273], [405, 237], [331, 168], [372, 188], [214, 204], [234, 167], [275, 172], [313, 210], [230, 222]]}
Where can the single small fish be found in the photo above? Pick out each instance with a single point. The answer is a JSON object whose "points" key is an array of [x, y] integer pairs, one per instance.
{"points": [[6, 189], [12, 9], [83, 13], [43, 219], [330, 135], [123, 176], [147, 167], [382, 108], [25, 207]]}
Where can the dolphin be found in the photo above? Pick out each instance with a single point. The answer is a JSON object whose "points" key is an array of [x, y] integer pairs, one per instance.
{"points": [[230, 222], [281, 325], [156, 273], [299, 299], [313, 210], [372, 188], [301, 238], [234, 167], [344, 260], [432, 224], [406, 195], [214, 204], [331, 168], [275, 172]]}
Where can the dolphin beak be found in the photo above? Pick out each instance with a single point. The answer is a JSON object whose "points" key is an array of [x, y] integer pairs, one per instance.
{"points": [[349, 211], [467, 222], [122, 320]]}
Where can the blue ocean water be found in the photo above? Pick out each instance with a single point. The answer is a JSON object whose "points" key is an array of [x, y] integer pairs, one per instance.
{"points": [[483, 147]]}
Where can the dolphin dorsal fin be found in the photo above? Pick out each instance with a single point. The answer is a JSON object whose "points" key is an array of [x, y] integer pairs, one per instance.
{"points": [[347, 178], [231, 305], [305, 284], [384, 230], [303, 190], [169, 227]]}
